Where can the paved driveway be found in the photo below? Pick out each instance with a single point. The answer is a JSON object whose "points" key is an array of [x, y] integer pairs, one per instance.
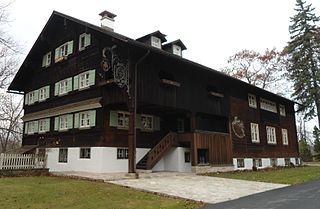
{"points": [[301, 196], [201, 188]]}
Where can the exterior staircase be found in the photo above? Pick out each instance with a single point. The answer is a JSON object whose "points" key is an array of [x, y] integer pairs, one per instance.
{"points": [[157, 152]]}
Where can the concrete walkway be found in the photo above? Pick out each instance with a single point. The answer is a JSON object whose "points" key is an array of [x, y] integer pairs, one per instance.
{"points": [[184, 185]]}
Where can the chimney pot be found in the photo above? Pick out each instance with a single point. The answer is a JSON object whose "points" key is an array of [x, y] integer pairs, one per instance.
{"points": [[107, 20]]}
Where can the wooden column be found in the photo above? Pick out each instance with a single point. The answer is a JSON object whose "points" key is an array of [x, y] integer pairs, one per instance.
{"points": [[193, 127]]}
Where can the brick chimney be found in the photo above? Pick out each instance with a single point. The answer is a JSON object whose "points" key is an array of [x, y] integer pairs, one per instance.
{"points": [[107, 20]]}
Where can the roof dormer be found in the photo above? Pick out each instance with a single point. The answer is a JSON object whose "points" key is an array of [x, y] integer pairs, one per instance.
{"points": [[175, 47], [154, 39]]}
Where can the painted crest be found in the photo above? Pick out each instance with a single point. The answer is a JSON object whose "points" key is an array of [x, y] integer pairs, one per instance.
{"points": [[238, 127]]}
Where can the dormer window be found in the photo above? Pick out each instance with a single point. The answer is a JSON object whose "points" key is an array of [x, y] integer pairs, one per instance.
{"points": [[46, 60], [155, 42], [176, 50]]}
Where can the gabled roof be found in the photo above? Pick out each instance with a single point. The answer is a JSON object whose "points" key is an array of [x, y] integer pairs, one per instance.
{"points": [[157, 34], [16, 83], [176, 42]]}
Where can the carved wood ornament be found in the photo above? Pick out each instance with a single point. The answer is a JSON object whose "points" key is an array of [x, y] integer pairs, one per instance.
{"points": [[120, 69], [238, 127]]}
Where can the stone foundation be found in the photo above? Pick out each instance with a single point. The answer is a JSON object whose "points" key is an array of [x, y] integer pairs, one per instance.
{"points": [[24, 172]]}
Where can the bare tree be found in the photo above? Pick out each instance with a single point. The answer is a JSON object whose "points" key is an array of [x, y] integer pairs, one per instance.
{"points": [[9, 49], [10, 122], [262, 70]]}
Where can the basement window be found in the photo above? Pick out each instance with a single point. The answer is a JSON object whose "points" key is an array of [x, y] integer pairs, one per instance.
{"points": [[287, 161], [122, 153], [187, 158], [168, 79], [63, 155], [203, 156], [240, 163], [85, 153]]}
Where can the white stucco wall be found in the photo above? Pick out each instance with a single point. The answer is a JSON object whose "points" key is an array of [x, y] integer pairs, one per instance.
{"points": [[174, 161], [265, 163], [103, 160]]}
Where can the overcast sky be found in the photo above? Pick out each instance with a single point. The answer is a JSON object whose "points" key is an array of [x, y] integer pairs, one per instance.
{"points": [[212, 30]]}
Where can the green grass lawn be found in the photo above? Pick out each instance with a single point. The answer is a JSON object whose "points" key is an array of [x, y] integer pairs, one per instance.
{"points": [[278, 175], [56, 192]]}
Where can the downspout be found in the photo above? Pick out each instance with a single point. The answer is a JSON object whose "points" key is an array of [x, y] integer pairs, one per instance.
{"points": [[135, 106]]}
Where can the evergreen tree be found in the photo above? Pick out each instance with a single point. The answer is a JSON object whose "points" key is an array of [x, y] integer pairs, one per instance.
{"points": [[316, 135], [303, 52]]}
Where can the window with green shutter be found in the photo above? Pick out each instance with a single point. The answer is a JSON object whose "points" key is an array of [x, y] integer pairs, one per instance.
{"points": [[76, 120], [70, 121], [156, 123], [92, 77], [92, 118], [84, 41], [113, 120], [76, 82], [56, 123]]}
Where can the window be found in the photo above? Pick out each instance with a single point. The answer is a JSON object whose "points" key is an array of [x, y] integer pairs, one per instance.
{"points": [[31, 127], [180, 125], [297, 161], [287, 161], [44, 125], [63, 122], [84, 119], [282, 110], [255, 132], [284, 136], [268, 105], [257, 162], [85, 153], [122, 153], [123, 119], [155, 42], [240, 163], [63, 155], [203, 156], [252, 100], [84, 80], [63, 87], [44, 93], [46, 60], [147, 122], [271, 135], [187, 157], [273, 162], [63, 51], [84, 41], [176, 50], [32, 97]]}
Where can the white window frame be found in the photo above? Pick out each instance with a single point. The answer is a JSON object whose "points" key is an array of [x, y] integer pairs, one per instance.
{"points": [[252, 100], [63, 87], [85, 153], [86, 38], [271, 135], [147, 122], [255, 137], [84, 80], [31, 97], [122, 153], [285, 139], [282, 110], [123, 117], [240, 163], [63, 122], [275, 160], [176, 50], [268, 105], [42, 125], [46, 60], [62, 51], [156, 42], [31, 127], [63, 155], [42, 94], [84, 120], [257, 162]]}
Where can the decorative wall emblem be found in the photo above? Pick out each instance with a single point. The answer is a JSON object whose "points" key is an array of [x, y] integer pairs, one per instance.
{"points": [[238, 127], [120, 69]]}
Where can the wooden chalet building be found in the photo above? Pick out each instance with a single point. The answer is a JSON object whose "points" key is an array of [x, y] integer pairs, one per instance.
{"points": [[83, 86]]}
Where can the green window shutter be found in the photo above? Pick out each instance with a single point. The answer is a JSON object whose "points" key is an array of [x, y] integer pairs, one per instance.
{"points": [[92, 77], [56, 54], [138, 121], [76, 120], [47, 88], [92, 119], [56, 89], [26, 99], [87, 40], [36, 126], [70, 121], [47, 127], [26, 128], [69, 87], [56, 123], [36, 95], [156, 123], [70, 47], [76, 82], [113, 118]]}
